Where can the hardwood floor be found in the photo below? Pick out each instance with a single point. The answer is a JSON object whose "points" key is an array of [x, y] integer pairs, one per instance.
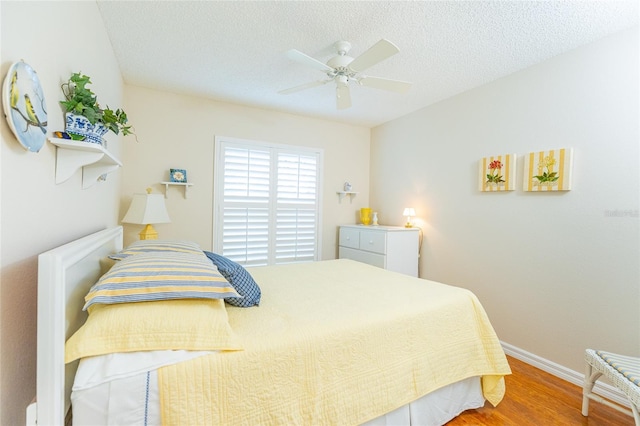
{"points": [[537, 398]]}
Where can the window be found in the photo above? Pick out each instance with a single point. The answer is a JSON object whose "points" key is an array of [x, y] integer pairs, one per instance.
{"points": [[266, 202]]}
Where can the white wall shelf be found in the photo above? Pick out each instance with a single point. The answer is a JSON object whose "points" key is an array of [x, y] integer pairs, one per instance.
{"points": [[94, 160], [185, 184], [342, 194]]}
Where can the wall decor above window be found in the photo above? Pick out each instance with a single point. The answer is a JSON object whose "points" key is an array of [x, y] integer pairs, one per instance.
{"points": [[548, 170], [497, 173]]}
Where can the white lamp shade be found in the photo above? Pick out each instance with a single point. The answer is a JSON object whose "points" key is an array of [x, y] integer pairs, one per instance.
{"points": [[146, 209], [409, 211]]}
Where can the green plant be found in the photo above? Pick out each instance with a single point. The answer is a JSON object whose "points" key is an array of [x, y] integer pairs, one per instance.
{"points": [[494, 175], [82, 101], [549, 176]]}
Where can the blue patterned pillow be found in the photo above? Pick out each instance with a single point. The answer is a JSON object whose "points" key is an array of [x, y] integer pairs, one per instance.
{"points": [[160, 246], [148, 277], [239, 278]]}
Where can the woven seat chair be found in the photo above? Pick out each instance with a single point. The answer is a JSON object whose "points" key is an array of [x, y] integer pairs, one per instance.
{"points": [[622, 371]]}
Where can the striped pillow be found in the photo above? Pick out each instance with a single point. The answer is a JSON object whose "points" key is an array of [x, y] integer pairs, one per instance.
{"points": [[160, 276], [161, 246]]}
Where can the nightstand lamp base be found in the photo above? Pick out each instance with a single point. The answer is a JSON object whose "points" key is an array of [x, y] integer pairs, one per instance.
{"points": [[148, 233]]}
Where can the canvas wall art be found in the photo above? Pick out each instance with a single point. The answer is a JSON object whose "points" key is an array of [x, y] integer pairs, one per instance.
{"points": [[497, 173], [548, 170], [178, 175]]}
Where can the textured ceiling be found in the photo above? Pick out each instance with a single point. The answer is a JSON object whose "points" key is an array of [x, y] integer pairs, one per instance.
{"points": [[234, 51]]}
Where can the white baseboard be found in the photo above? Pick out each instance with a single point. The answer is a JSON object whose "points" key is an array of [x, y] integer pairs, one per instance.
{"points": [[603, 389]]}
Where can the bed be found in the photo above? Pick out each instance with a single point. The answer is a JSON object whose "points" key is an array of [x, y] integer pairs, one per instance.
{"points": [[331, 342]]}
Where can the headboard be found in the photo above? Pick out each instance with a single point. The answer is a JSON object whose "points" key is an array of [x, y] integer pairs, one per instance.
{"points": [[65, 275]]}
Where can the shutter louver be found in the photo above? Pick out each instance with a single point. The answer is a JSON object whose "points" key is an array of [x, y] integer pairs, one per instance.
{"points": [[295, 236], [246, 235], [246, 175]]}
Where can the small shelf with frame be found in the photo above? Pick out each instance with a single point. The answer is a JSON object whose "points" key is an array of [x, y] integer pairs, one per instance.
{"points": [[186, 186], [94, 160]]}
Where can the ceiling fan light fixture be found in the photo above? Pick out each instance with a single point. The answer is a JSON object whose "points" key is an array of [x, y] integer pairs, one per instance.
{"points": [[342, 80], [340, 62]]}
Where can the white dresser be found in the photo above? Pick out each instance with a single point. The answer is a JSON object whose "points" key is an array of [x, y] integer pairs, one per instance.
{"points": [[390, 247]]}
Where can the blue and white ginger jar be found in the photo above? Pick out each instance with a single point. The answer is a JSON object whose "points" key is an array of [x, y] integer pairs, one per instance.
{"points": [[81, 126]]}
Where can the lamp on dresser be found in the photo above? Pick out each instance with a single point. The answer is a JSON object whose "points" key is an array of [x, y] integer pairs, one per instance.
{"points": [[409, 212], [147, 209]]}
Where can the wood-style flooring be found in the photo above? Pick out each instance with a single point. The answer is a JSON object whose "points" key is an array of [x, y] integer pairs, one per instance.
{"points": [[537, 398]]}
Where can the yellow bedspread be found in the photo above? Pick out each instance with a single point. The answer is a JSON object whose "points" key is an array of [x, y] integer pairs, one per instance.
{"points": [[336, 342]]}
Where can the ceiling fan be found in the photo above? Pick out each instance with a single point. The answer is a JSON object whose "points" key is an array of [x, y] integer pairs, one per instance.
{"points": [[344, 69]]}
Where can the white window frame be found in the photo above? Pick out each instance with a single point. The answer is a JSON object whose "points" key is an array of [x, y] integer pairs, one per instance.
{"points": [[218, 191]]}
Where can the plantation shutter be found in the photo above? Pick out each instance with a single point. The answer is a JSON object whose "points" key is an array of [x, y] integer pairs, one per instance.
{"points": [[246, 205], [296, 216], [266, 203]]}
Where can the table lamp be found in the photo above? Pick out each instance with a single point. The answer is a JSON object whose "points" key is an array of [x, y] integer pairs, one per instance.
{"points": [[146, 209], [408, 212]]}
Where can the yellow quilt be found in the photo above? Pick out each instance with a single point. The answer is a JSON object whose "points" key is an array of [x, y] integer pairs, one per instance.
{"points": [[336, 342]]}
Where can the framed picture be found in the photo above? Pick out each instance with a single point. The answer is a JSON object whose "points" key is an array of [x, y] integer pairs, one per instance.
{"points": [[24, 106], [178, 175], [548, 170], [497, 173]]}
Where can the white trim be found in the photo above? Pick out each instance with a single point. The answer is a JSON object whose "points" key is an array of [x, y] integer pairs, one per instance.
{"points": [[603, 389]]}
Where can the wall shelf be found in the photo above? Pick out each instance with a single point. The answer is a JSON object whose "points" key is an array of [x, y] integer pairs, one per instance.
{"points": [[185, 184], [342, 194], [94, 160]]}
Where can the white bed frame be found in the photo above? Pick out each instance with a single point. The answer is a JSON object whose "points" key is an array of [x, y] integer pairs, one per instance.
{"points": [[65, 275]]}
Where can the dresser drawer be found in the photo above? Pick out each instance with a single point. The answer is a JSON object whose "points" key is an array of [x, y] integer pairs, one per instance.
{"points": [[362, 256], [373, 241], [349, 238]]}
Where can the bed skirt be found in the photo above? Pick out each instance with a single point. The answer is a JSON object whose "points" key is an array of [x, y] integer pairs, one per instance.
{"points": [[135, 401]]}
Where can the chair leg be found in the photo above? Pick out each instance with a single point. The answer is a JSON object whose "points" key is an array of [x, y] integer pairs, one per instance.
{"points": [[636, 414], [589, 381]]}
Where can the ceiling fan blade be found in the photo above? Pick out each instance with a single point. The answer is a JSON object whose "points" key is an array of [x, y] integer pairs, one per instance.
{"points": [[385, 84], [304, 86], [307, 60], [343, 96], [376, 53]]}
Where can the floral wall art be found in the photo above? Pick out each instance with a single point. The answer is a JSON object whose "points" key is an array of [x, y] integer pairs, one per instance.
{"points": [[497, 173], [548, 170]]}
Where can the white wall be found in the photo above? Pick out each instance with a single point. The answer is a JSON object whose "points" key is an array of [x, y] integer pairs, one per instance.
{"points": [[36, 213], [557, 272], [176, 131]]}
